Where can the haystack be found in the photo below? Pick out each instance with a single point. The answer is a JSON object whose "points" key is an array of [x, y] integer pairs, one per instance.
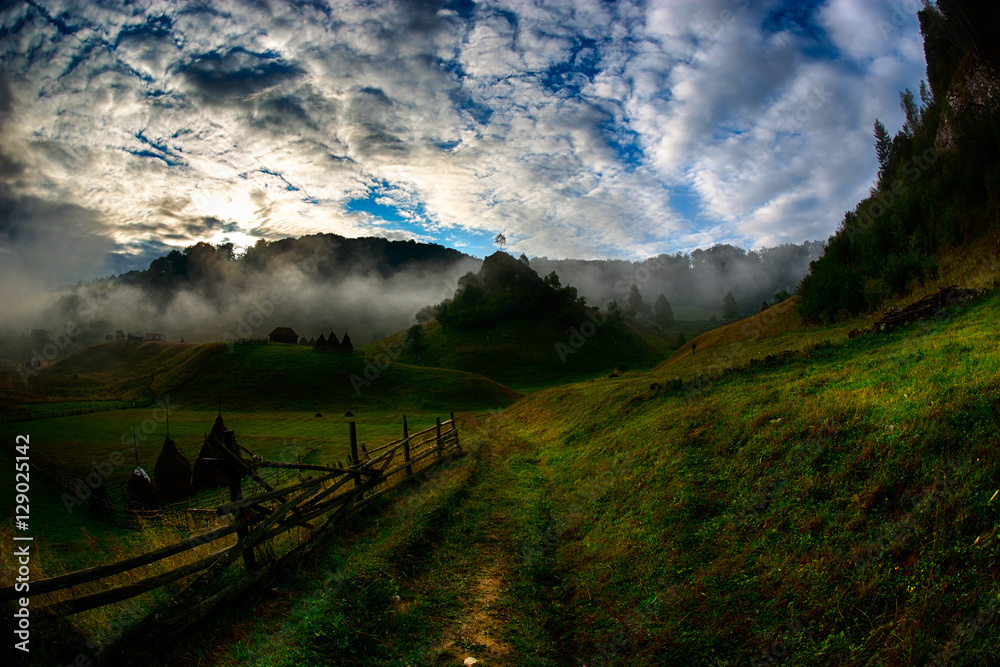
{"points": [[141, 492], [346, 345], [321, 342], [210, 468], [172, 472], [334, 342]]}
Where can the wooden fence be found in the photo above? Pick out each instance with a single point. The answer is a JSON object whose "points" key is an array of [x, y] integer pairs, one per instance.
{"points": [[67, 412], [312, 507]]}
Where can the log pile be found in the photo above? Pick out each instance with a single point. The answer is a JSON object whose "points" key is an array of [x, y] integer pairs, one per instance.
{"points": [[925, 308]]}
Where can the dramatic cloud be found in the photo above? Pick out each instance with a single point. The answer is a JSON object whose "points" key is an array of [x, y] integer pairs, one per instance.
{"points": [[578, 128]]}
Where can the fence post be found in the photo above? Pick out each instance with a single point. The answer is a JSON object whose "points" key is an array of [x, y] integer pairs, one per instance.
{"points": [[439, 436], [235, 476], [354, 450], [406, 447]]}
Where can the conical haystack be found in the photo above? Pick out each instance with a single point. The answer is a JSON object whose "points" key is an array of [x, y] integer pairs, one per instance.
{"points": [[210, 468], [141, 492], [172, 472]]}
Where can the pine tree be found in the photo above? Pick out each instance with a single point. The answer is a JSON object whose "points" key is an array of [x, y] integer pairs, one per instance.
{"points": [[883, 146], [730, 311], [634, 303], [663, 314]]}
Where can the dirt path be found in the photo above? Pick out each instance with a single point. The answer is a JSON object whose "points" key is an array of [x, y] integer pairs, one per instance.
{"points": [[479, 633], [480, 630]]}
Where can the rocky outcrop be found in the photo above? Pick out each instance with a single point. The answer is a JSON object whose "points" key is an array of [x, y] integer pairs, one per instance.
{"points": [[972, 98]]}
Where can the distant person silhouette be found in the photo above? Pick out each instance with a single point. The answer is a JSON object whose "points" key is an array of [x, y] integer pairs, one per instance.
{"points": [[694, 346]]}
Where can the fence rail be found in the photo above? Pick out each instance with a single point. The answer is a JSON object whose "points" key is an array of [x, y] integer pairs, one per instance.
{"points": [[118, 405], [328, 500]]}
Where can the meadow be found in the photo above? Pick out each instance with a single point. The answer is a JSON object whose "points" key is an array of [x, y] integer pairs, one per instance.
{"points": [[837, 505], [837, 508]]}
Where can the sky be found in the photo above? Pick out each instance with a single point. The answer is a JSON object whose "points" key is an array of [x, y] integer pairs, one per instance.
{"points": [[577, 128]]}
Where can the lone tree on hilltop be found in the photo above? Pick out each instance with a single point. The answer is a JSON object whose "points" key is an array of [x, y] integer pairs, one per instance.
{"points": [[500, 240], [730, 311], [663, 314]]}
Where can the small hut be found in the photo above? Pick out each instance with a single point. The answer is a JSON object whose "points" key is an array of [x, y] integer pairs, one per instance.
{"points": [[346, 345], [172, 472], [284, 335], [210, 467], [141, 492]]}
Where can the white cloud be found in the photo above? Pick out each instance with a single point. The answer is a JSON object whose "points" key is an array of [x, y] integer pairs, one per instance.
{"points": [[273, 117]]}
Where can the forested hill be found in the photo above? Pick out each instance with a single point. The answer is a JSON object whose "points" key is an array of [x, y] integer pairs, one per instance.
{"points": [[694, 283], [327, 255], [369, 287]]}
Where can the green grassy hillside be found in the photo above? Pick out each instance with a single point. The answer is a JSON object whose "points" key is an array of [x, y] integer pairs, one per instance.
{"points": [[528, 355], [282, 400], [840, 507], [292, 377], [107, 371]]}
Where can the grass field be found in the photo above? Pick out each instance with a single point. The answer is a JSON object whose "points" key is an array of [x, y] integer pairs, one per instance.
{"points": [[283, 402], [837, 506], [840, 507]]}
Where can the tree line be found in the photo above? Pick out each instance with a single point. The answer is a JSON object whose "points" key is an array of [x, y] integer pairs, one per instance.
{"points": [[938, 182]]}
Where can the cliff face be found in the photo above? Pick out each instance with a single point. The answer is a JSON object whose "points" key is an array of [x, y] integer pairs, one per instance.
{"points": [[972, 97]]}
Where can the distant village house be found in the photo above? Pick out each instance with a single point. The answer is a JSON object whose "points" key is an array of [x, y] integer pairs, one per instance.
{"points": [[284, 335], [157, 336]]}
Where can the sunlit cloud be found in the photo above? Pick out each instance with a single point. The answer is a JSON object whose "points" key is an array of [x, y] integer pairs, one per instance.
{"points": [[579, 129]]}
